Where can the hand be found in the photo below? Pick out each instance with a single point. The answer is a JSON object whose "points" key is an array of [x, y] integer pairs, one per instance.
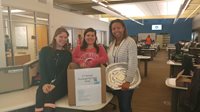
{"points": [[89, 63], [52, 87], [125, 86], [83, 65], [47, 88], [93, 63]]}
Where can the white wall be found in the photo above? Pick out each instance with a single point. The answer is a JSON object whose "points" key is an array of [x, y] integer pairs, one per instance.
{"points": [[2, 46], [77, 21], [59, 17], [196, 22], [196, 25]]}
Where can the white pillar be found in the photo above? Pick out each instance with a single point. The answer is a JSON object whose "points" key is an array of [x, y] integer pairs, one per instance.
{"points": [[2, 46], [51, 26]]}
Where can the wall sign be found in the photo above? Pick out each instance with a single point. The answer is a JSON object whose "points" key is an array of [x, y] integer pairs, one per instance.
{"points": [[21, 36]]}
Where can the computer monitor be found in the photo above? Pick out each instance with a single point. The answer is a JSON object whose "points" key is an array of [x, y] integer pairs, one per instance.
{"points": [[156, 27]]}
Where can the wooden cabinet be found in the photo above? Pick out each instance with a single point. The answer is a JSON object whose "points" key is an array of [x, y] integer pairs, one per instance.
{"points": [[163, 40], [19, 59]]}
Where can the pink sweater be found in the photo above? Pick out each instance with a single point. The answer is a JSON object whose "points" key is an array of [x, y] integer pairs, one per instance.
{"points": [[89, 56]]}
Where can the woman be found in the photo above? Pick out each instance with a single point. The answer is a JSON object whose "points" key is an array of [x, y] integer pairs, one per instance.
{"points": [[79, 40], [53, 63], [148, 41], [89, 54], [123, 49]]}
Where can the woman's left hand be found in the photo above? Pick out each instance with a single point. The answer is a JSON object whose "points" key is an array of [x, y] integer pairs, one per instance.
{"points": [[125, 86]]}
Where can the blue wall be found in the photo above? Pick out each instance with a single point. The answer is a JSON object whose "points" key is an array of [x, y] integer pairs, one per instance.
{"points": [[181, 30]]}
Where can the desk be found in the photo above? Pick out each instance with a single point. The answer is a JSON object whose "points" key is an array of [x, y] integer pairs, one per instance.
{"points": [[173, 49], [171, 82], [25, 98], [63, 103], [145, 59], [176, 67], [151, 50], [170, 51]]}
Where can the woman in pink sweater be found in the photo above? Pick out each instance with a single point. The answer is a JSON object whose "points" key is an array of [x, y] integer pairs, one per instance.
{"points": [[89, 54]]}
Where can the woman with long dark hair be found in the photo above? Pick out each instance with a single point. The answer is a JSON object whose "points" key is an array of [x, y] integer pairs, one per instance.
{"points": [[89, 54]]}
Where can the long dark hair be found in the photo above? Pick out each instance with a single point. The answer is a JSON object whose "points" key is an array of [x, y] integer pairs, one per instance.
{"points": [[84, 45], [57, 32], [123, 25]]}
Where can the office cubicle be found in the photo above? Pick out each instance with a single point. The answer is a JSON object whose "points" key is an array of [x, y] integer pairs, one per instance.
{"points": [[17, 77]]}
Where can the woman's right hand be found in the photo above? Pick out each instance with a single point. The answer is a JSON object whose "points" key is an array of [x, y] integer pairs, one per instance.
{"points": [[47, 88], [83, 65], [125, 86]]}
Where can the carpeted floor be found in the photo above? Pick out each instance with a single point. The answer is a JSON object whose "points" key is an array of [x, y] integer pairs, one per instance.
{"points": [[152, 95]]}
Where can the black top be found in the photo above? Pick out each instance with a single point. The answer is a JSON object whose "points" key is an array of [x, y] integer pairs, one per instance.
{"points": [[53, 65]]}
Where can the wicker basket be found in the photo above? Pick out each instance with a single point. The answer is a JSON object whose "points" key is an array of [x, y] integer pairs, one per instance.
{"points": [[116, 74]]}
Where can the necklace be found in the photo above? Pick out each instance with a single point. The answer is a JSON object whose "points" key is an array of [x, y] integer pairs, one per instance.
{"points": [[115, 51], [54, 76]]}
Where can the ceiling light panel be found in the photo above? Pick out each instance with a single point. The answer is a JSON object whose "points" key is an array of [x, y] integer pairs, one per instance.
{"points": [[153, 8], [163, 8], [150, 8], [106, 11], [129, 9], [144, 8], [14, 11], [173, 7]]}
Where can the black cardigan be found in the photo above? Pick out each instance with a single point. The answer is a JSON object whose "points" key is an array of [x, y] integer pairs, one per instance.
{"points": [[53, 65]]}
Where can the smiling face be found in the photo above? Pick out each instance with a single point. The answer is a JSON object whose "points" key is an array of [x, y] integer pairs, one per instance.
{"points": [[61, 39], [90, 38], [117, 30]]}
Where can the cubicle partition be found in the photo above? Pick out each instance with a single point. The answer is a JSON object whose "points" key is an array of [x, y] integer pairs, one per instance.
{"points": [[17, 77]]}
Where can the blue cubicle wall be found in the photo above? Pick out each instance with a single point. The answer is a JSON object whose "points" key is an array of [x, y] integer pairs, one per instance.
{"points": [[181, 30]]}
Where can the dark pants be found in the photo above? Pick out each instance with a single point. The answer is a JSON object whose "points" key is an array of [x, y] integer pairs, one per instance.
{"points": [[58, 92], [124, 99], [148, 46]]}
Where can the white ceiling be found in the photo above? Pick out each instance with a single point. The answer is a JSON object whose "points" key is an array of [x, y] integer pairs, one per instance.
{"points": [[151, 8]]}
